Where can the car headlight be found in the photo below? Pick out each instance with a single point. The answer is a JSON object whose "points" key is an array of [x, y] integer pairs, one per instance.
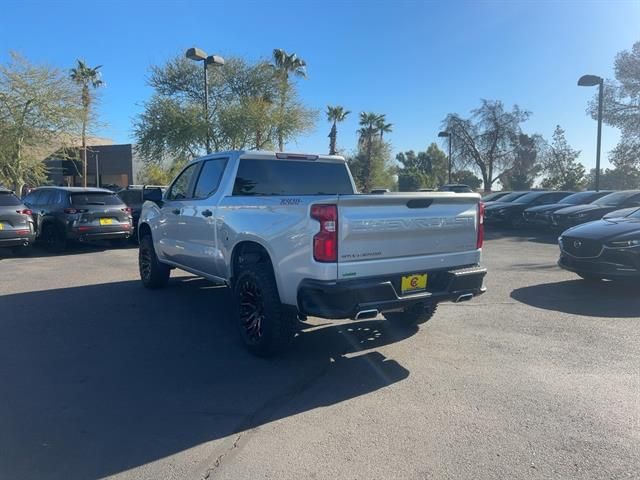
{"points": [[625, 243]]}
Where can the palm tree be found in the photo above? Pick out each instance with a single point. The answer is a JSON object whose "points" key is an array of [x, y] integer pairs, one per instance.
{"points": [[382, 126], [284, 65], [336, 115], [369, 129], [87, 78]]}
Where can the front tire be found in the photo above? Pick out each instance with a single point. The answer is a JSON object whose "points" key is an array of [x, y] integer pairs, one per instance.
{"points": [[266, 328], [153, 273], [590, 277], [411, 316]]}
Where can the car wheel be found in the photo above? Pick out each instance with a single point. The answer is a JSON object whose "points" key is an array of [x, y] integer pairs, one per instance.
{"points": [[21, 251], [414, 315], [265, 326], [54, 238], [153, 273]]}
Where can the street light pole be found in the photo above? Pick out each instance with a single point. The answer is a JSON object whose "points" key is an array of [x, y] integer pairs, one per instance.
{"points": [[592, 81], [449, 135], [198, 55]]}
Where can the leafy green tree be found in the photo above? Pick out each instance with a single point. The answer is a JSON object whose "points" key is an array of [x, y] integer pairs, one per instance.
{"points": [[526, 166], [39, 113], [486, 141], [621, 108], [561, 167], [422, 169], [466, 177], [86, 78], [244, 110], [159, 174], [286, 64], [623, 177], [335, 115]]}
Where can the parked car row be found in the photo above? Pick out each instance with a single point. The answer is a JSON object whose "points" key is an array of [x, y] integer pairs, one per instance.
{"points": [[558, 211], [57, 215], [600, 236]]}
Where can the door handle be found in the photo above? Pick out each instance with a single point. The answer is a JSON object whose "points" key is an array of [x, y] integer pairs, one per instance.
{"points": [[176, 211], [207, 213]]}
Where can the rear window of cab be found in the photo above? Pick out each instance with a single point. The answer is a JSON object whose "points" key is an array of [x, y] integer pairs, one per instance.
{"points": [[285, 177]]}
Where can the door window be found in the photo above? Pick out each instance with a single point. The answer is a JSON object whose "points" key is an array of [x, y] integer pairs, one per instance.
{"points": [[181, 188], [209, 178]]}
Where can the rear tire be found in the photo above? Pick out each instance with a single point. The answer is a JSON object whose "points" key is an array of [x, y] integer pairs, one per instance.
{"points": [[22, 251], [266, 328], [55, 240], [411, 316], [153, 273]]}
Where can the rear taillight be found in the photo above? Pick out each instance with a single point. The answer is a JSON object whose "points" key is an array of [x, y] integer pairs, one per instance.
{"points": [[127, 210], [73, 211], [325, 242], [26, 211], [480, 239]]}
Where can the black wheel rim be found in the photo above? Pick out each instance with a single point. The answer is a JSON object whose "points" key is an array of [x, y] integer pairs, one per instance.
{"points": [[145, 263], [251, 311]]}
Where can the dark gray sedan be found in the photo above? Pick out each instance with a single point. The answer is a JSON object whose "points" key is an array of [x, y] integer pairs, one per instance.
{"points": [[17, 229]]}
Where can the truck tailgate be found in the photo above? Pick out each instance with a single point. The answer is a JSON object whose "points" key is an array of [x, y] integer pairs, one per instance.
{"points": [[382, 234]]}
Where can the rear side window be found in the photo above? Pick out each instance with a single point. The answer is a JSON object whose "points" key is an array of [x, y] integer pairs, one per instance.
{"points": [[282, 177], [209, 178], [95, 198], [8, 199]]}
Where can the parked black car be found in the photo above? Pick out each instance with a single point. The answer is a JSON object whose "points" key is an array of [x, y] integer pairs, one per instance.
{"points": [[134, 196], [541, 215], [510, 214], [572, 216], [17, 229], [604, 249], [508, 198], [494, 196], [82, 214]]}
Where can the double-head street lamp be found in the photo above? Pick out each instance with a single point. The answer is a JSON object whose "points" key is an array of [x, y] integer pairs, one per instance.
{"points": [[448, 135], [199, 55], [592, 81]]}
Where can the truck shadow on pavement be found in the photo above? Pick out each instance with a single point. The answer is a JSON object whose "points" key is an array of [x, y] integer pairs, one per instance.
{"points": [[100, 379], [579, 297]]}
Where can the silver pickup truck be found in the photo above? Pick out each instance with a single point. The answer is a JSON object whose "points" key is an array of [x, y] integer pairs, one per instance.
{"points": [[291, 237]]}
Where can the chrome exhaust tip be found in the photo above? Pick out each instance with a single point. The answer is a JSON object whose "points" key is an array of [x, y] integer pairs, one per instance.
{"points": [[464, 298], [366, 314]]}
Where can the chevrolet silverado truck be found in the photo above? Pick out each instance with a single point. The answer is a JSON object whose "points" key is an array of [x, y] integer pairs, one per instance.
{"points": [[291, 237]]}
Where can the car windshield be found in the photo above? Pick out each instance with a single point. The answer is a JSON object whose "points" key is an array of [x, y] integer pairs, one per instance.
{"points": [[635, 214], [511, 197], [578, 198], [493, 196], [614, 199], [530, 197], [95, 198], [8, 199]]}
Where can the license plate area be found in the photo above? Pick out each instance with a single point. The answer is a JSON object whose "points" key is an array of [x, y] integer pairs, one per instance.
{"points": [[106, 221], [413, 283]]}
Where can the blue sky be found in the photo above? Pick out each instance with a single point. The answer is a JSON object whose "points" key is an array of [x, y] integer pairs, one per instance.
{"points": [[416, 61]]}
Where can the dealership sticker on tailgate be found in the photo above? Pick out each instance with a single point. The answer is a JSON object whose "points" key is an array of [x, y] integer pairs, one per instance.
{"points": [[414, 283]]}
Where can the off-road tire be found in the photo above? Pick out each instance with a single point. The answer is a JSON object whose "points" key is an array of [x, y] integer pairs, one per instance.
{"points": [[265, 326], [153, 273], [411, 316]]}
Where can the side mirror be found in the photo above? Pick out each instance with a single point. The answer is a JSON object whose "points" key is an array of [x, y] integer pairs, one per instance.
{"points": [[153, 195]]}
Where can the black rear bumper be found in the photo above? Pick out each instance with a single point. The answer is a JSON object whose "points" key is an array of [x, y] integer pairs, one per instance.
{"points": [[344, 299]]}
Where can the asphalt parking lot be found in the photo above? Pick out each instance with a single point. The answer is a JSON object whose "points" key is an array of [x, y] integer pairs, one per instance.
{"points": [[539, 378]]}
